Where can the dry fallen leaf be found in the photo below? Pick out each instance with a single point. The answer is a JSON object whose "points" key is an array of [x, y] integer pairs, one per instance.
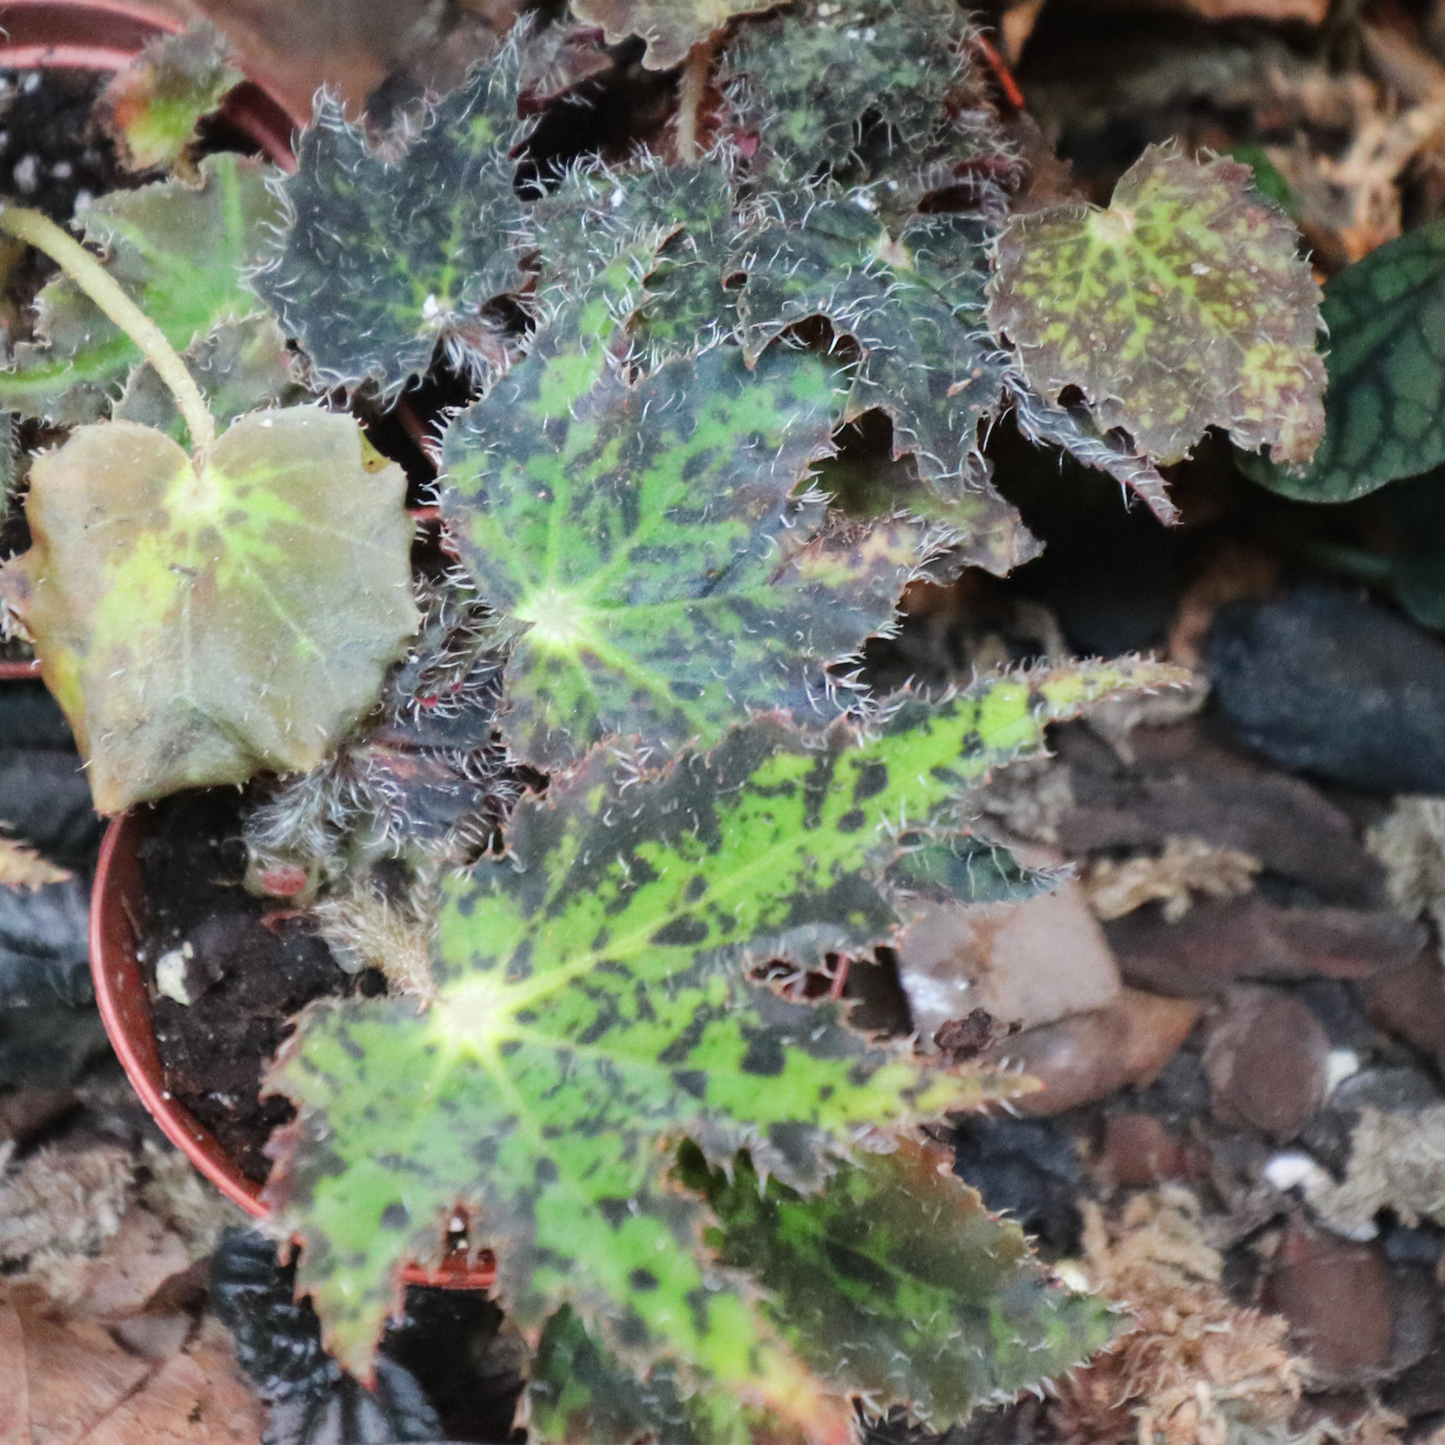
{"points": [[65, 1381], [1186, 867], [23, 867]]}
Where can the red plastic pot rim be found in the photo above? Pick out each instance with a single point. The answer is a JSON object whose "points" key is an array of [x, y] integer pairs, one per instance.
{"points": [[107, 35], [117, 913]]}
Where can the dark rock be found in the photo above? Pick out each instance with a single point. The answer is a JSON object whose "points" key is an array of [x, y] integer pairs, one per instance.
{"points": [[1024, 1168], [1183, 782], [44, 945], [1265, 1058], [45, 799], [1336, 1005], [1338, 1299], [1322, 682], [1219, 943], [1410, 1001]]}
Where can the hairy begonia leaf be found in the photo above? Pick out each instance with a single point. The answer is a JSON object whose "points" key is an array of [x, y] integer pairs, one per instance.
{"points": [[179, 252], [384, 256], [152, 107], [670, 27], [1182, 306], [894, 1284], [241, 366], [855, 93], [200, 626], [593, 1006], [670, 225], [1385, 408], [649, 537]]}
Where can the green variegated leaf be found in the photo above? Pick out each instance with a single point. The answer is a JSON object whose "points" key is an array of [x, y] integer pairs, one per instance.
{"points": [[669, 225], [855, 93], [178, 251], [670, 27], [170, 615], [593, 1007], [383, 256], [1182, 306], [152, 107], [894, 1284], [1385, 408], [241, 366], [649, 539]]}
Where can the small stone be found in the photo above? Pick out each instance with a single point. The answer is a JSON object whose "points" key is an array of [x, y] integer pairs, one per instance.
{"points": [[1410, 1001], [1138, 1150], [1338, 1301], [1029, 962], [1266, 1060], [1087, 1057], [1325, 683], [1217, 944]]}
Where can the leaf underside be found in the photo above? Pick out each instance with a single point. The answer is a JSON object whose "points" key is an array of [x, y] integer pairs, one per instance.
{"points": [[1182, 306], [171, 620], [593, 1007], [385, 257], [178, 251], [1385, 407]]}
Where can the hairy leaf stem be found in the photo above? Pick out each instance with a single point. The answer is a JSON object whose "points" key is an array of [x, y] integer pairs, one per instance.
{"points": [[92, 278]]}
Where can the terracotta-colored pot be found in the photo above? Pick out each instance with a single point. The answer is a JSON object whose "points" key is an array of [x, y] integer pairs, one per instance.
{"points": [[18, 671], [118, 909], [108, 35]]}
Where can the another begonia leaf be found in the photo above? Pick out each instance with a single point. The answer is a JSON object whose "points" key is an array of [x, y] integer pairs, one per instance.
{"points": [[384, 256], [1385, 408], [1184, 305], [914, 304], [179, 252], [594, 1005], [894, 1283], [649, 537], [670, 27], [855, 93], [151, 108], [241, 366], [200, 626]]}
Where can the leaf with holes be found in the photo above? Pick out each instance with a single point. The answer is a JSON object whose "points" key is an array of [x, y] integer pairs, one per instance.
{"points": [[893, 1283], [383, 257], [1182, 306], [649, 539], [171, 619], [858, 94], [179, 252], [1384, 413], [152, 107], [670, 27], [594, 1006]]}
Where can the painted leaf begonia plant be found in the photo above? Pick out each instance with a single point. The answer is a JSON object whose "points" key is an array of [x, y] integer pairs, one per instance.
{"points": [[620, 739]]}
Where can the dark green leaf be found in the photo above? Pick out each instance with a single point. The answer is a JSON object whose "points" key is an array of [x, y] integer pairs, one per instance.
{"points": [[1385, 408], [384, 257]]}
